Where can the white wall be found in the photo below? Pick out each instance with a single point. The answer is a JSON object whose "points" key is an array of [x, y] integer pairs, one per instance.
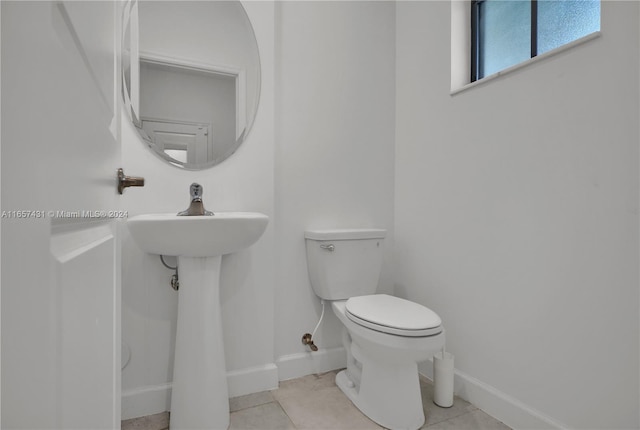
{"points": [[244, 182], [334, 154], [516, 219]]}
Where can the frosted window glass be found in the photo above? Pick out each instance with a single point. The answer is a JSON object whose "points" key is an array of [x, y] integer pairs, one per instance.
{"points": [[563, 21], [505, 34]]}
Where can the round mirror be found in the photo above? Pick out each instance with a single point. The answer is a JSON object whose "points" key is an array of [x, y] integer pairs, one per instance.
{"points": [[191, 78]]}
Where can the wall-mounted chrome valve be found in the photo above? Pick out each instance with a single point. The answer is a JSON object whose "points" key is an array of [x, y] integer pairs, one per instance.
{"points": [[196, 207]]}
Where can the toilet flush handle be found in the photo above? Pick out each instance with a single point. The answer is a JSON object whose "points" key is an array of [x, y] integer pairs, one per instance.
{"points": [[329, 247]]}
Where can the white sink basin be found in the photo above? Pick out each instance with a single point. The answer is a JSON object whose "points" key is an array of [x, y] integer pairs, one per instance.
{"points": [[197, 236], [199, 397]]}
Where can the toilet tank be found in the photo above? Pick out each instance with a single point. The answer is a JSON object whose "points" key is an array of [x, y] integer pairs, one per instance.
{"points": [[344, 263]]}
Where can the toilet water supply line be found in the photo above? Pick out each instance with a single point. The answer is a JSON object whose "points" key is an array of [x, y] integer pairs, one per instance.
{"points": [[307, 339]]}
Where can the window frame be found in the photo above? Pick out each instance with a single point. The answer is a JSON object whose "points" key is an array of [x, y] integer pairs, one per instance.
{"points": [[475, 39]]}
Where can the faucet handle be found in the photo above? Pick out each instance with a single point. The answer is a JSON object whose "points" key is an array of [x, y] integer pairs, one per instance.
{"points": [[196, 191]]}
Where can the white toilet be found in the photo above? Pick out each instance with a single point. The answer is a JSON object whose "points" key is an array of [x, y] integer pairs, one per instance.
{"points": [[385, 337]]}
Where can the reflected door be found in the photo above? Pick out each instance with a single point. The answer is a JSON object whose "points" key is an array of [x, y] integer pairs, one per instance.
{"points": [[187, 143]]}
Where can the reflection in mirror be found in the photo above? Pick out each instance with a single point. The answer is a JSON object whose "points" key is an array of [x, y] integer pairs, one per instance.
{"points": [[192, 83]]}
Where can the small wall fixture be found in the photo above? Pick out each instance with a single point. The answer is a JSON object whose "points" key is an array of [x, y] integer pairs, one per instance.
{"points": [[306, 340], [128, 181]]}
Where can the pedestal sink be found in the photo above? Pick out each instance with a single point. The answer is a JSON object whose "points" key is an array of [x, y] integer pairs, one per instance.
{"points": [[199, 398]]}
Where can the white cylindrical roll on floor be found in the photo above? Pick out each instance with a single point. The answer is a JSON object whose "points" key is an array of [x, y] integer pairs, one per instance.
{"points": [[443, 379]]}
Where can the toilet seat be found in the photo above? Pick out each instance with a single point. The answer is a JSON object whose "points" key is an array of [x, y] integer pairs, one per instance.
{"points": [[393, 315]]}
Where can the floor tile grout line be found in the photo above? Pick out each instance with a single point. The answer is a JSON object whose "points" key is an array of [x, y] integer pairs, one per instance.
{"points": [[462, 412], [268, 403], [286, 413], [254, 406], [444, 421]]}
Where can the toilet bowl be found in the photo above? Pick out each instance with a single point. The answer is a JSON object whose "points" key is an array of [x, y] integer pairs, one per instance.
{"points": [[385, 337]]}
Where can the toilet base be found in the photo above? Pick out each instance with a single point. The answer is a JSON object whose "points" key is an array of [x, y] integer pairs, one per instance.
{"points": [[392, 399], [382, 378]]}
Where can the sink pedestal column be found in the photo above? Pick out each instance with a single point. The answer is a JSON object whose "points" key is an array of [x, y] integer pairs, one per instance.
{"points": [[199, 399]]}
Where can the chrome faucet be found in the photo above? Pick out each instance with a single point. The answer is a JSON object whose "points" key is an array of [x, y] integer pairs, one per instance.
{"points": [[196, 207]]}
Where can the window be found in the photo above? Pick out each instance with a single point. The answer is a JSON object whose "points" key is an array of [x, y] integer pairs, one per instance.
{"points": [[507, 32]]}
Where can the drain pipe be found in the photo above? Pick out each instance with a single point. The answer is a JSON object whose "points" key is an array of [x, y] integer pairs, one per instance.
{"points": [[307, 339]]}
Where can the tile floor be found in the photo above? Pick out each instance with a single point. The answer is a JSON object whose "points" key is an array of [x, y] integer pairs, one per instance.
{"points": [[315, 402]]}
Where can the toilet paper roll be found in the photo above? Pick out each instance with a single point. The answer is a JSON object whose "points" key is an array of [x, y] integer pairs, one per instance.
{"points": [[443, 379]]}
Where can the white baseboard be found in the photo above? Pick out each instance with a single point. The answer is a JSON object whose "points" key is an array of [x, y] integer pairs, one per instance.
{"points": [[499, 405], [307, 363], [252, 380], [149, 400]]}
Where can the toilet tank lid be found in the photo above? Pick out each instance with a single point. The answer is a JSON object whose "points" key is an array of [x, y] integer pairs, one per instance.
{"points": [[346, 234]]}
